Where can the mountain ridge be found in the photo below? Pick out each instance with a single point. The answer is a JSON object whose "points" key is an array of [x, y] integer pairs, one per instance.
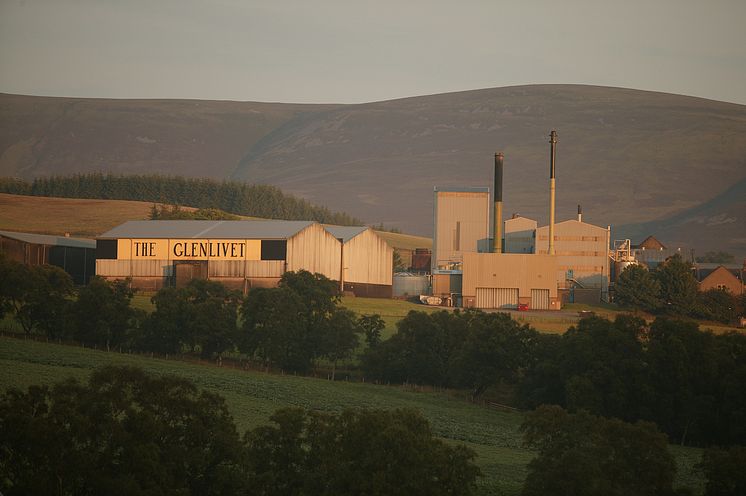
{"points": [[628, 156]]}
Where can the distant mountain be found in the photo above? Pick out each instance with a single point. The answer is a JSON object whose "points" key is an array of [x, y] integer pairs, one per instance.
{"points": [[627, 156]]}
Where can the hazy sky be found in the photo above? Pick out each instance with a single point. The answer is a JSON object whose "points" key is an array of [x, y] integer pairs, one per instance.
{"points": [[351, 51]]}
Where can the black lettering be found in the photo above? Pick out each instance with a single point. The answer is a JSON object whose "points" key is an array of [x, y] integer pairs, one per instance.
{"points": [[212, 245], [137, 249], [152, 250], [225, 249], [233, 250], [194, 249], [178, 253], [202, 250], [243, 248]]}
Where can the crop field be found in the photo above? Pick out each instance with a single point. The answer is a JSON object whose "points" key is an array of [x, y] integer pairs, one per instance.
{"points": [[253, 396]]}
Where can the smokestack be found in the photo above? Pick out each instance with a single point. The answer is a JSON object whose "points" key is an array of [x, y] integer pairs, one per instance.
{"points": [[580, 214], [552, 154], [497, 192]]}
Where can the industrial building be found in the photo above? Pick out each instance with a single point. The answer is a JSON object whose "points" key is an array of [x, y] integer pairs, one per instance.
{"points": [[240, 254], [462, 224], [367, 261], [527, 267], [510, 281], [76, 256]]}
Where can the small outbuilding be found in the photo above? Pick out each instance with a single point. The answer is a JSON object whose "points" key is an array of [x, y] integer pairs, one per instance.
{"points": [[76, 256], [367, 261]]}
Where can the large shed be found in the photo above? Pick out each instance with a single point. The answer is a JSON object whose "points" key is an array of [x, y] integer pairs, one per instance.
{"points": [[76, 256], [507, 280], [367, 261], [239, 254]]}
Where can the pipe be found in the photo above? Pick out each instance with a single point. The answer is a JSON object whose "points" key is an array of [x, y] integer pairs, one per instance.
{"points": [[497, 192], [552, 155], [580, 214]]}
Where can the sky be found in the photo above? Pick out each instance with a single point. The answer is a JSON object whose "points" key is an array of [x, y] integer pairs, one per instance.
{"points": [[348, 51]]}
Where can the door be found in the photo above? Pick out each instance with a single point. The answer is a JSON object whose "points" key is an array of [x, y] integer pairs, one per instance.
{"points": [[497, 298], [539, 299], [186, 271]]}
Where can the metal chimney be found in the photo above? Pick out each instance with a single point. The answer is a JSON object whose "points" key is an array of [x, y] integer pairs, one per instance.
{"points": [[580, 214], [497, 192], [552, 155]]}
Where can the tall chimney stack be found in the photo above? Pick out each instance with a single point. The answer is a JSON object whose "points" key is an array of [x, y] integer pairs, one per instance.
{"points": [[497, 192], [552, 155], [580, 214]]}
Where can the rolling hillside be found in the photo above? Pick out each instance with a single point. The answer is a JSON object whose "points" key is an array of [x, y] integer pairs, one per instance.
{"points": [[89, 218], [628, 156]]}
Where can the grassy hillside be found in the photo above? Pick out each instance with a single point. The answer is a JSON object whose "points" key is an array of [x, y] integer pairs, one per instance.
{"points": [[627, 156], [85, 218], [253, 396], [89, 218]]}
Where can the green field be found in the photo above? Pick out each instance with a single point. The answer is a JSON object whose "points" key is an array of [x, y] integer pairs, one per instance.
{"points": [[253, 396]]}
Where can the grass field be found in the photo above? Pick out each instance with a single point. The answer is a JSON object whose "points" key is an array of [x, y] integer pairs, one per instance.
{"points": [[253, 396]]}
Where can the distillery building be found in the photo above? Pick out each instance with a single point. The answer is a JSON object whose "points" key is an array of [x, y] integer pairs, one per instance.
{"points": [[238, 254], [76, 256]]}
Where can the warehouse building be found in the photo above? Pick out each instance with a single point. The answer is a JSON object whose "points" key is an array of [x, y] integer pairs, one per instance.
{"points": [[507, 281], [367, 261], [76, 256], [239, 254]]}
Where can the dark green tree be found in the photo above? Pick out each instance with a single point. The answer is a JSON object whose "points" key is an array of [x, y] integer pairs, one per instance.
{"points": [[320, 454], [372, 326], [202, 316], [342, 336], [637, 289], [720, 257], [495, 348], [724, 471], [275, 329], [718, 305], [122, 433], [41, 298], [581, 454], [678, 286], [103, 315]]}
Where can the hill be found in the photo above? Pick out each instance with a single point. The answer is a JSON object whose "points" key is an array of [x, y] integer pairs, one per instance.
{"points": [[89, 218], [627, 156]]}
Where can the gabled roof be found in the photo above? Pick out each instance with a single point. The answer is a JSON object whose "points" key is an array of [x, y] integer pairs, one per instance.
{"points": [[44, 239], [704, 273], [345, 233], [650, 243], [216, 229]]}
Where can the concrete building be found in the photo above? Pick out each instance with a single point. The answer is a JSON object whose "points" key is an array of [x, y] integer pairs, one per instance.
{"points": [[520, 235], [239, 254], [462, 223], [582, 252], [76, 256], [367, 261], [505, 280]]}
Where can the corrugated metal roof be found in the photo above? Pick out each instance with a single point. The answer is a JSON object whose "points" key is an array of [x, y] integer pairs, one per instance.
{"points": [[345, 232], [215, 229], [45, 239], [450, 189]]}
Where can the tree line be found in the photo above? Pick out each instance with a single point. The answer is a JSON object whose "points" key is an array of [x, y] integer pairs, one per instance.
{"points": [[291, 327], [236, 197], [126, 432], [672, 289]]}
